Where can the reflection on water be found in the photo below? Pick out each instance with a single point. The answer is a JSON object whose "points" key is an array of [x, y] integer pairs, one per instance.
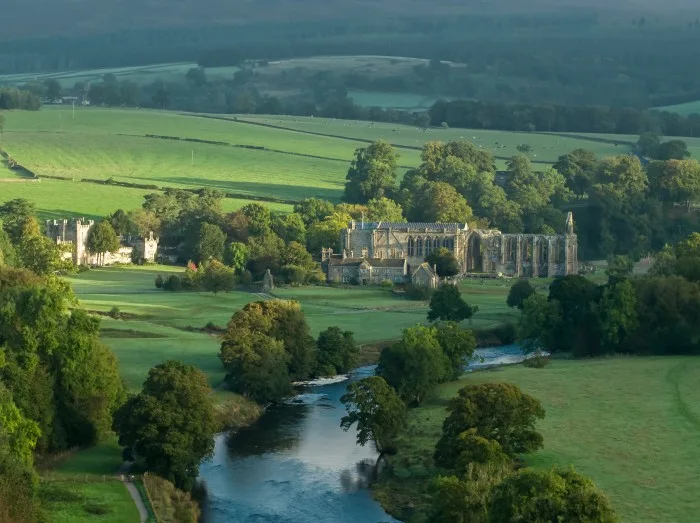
{"points": [[296, 465]]}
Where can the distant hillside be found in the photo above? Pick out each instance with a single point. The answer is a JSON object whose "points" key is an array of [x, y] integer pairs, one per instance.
{"points": [[42, 18]]}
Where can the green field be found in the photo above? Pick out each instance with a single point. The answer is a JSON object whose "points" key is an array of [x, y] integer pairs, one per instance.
{"points": [[631, 424], [303, 157], [75, 499], [685, 109], [155, 331]]}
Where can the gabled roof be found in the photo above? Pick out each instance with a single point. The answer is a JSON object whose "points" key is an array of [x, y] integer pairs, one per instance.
{"points": [[427, 268], [374, 262]]}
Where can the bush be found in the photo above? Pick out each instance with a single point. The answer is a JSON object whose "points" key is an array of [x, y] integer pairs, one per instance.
{"points": [[159, 282], [387, 284], [115, 313], [538, 361], [354, 281], [173, 283]]}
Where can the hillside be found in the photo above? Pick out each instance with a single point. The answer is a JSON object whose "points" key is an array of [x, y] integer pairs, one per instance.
{"points": [[277, 159]]}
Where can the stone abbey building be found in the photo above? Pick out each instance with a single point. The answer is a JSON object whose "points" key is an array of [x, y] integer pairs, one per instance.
{"points": [[74, 232], [404, 247]]}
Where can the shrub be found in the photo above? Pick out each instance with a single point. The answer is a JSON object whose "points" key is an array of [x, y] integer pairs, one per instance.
{"points": [[173, 283], [115, 313], [387, 284], [159, 282], [538, 361]]}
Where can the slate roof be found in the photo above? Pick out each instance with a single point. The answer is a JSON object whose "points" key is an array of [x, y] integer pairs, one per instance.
{"points": [[374, 262], [432, 226], [427, 268]]}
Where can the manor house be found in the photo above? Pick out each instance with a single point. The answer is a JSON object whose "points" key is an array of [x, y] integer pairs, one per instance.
{"points": [[75, 233], [374, 252]]}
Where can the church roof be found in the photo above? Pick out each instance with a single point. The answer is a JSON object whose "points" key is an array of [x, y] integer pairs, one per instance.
{"points": [[374, 262], [432, 226]]}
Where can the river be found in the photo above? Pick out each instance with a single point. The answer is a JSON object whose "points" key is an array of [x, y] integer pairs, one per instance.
{"points": [[296, 465]]}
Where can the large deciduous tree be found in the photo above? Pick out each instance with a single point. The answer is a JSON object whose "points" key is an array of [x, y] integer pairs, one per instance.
{"points": [[577, 168], [497, 411], [555, 495], [217, 277], [520, 291], [256, 366], [170, 424], [284, 321], [384, 210], [457, 344], [444, 262], [336, 351], [372, 173], [447, 304], [209, 244], [14, 215], [414, 365], [101, 240], [376, 409]]}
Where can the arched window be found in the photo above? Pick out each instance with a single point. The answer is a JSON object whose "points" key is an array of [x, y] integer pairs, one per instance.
{"points": [[428, 246], [419, 247], [411, 246], [436, 244]]}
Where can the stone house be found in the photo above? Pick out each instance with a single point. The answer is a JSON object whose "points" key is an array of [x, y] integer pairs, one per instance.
{"points": [[425, 276], [366, 271]]}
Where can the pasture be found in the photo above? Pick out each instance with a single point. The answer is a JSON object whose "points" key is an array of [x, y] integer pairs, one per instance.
{"points": [[631, 424], [685, 109], [277, 158], [157, 322]]}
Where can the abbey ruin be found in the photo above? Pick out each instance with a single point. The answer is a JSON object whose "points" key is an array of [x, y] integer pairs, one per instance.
{"points": [[479, 251]]}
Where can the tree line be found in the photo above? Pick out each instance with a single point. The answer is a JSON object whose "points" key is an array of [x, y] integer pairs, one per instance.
{"points": [[505, 116], [14, 98], [651, 314]]}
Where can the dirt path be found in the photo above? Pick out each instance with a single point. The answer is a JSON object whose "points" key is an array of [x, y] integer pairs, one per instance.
{"points": [[136, 496]]}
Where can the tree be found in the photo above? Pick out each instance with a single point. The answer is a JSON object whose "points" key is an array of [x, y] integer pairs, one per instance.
{"points": [[372, 173], [543, 496], [15, 214], [520, 291], [540, 323], [210, 243], [236, 256], [284, 321], [414, 365], [2, 125], [259, 218], [197, 76], [440, 202], [673, 150], [384, 210], [8, 254], [524, 148], [256, 366], [161, 96], [290, 227], [497, 411], [444, 261], [648, 144], [447, 305], [336, 352], [326, 233], [38, 253], [16, 432], [121, 223], [675, 181], [457, 344], [53, 90], [101, 240], [170, 424], [144, 221], [619, 268], [617, 314], [466, 499], [313, 210], [217, 277], [577, 168], [378, 411]]}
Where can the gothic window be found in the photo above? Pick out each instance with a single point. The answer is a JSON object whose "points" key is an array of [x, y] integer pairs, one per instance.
{"points": [[428, 246], [419, 247], [448, 243], [393, 253], [436, 244], [411, 247]]}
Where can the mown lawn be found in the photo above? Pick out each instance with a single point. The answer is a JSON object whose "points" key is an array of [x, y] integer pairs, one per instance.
{"points": [[74, 500], [631, 424]]}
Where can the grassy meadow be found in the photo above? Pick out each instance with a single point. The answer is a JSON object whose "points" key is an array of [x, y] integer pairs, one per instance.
{"points": [[631, 424], [155, 328], [685, 109], [283, 158]]}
